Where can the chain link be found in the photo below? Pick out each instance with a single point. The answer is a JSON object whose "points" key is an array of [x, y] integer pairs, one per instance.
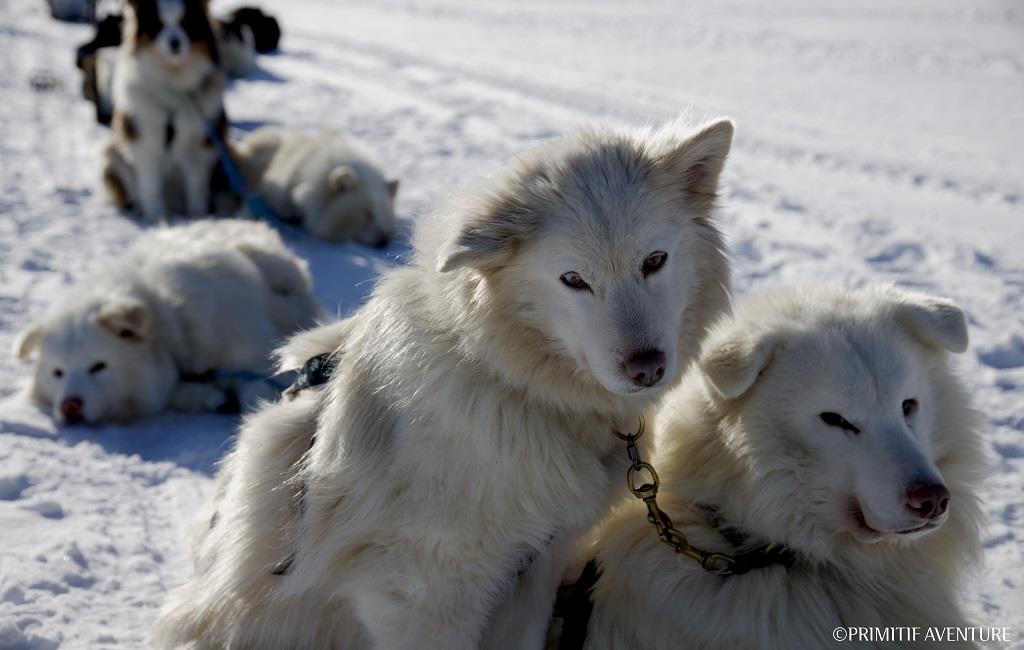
{"points": [[642, 481]]}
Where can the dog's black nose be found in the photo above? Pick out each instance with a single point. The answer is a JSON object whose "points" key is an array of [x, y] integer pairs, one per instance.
{"points": [[174, 44], [645, 368], [71, 409], [928, 500]]}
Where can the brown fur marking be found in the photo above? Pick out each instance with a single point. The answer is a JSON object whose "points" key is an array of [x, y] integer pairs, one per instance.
{"points": [[115, 189], [125, 127]]}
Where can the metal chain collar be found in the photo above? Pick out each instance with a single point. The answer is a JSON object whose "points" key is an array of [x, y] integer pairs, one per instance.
{"points": [[642, 481]]}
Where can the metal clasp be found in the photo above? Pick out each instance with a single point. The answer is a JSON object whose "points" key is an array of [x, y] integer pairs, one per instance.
{"points": [[642, 481]]}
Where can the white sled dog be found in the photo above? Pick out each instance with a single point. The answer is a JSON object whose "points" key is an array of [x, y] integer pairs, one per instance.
{"points": [[167, 83], [323, 182], [425, 497], [183, 301], [826, 422]]}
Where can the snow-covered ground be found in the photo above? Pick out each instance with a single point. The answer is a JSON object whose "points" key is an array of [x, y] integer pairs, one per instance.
{"points": [[876, 141]]}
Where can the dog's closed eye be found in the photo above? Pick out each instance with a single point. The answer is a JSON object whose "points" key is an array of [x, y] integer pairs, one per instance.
{"points": [[97, 367], [836, 420]]}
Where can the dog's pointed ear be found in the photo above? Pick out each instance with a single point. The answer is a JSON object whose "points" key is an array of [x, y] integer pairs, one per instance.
{"points": [[343, 178], [27, 342], [392, 188], [733, 363], [937, 322], [467, 250], [694, 162], [485, 240], [125, 318]]}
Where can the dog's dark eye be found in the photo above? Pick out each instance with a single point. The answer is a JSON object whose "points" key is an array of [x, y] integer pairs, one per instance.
{"points": [[654, 261], [126, 334], [909, 407], [836, 420], [573, 280], [97, 367], [58, 373]]}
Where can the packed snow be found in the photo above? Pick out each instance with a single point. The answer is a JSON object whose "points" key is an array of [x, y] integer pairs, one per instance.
{"points": [[876, 141]]}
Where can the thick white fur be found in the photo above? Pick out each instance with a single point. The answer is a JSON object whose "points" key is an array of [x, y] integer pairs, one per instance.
{"points": [[463, 433], [152, 89], [743, 433], [324, 180], [210, 295]]}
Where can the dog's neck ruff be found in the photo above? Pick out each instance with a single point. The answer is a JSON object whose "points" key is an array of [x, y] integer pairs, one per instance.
{"points": [[642, 481]]}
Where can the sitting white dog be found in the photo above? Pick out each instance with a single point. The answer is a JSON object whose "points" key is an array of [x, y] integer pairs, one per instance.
{"points": [[425, 495], [829, 424], [323, 182], [145, 332]]}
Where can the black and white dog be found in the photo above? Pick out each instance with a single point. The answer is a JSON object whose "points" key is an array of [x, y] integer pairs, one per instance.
{"points": [[242, 35], [168, 87], [97, 60]]}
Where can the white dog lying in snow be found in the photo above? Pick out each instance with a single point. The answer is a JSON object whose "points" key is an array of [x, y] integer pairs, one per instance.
{"points": [[824, 421], [323, 182], [213, 295]]}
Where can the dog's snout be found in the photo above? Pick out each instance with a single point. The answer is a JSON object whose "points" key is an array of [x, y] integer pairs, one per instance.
{"points": [[71, 409], [645, 368], [174, 44], [928, 500]]}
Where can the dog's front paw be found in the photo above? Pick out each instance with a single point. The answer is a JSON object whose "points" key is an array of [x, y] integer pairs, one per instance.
{"points": [[196, 397]]}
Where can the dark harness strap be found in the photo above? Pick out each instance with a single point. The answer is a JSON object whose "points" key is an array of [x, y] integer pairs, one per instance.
{"points": [[757, 558], [315, 372], [205, 377], [574, 604]]}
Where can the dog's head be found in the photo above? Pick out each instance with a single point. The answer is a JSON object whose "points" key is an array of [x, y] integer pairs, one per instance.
{"points": [[98, 364], [603, 242], [350, 202], [840, 407], [176, 31]]}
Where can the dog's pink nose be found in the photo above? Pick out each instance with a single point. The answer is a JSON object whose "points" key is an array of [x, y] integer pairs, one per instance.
{"points": [[71, 409], [645, 368], [928, 500]]}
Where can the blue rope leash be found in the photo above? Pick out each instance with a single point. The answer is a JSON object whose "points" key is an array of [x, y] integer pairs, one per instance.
{"points": [[278, 382], [260, 209], [253, 201]]}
